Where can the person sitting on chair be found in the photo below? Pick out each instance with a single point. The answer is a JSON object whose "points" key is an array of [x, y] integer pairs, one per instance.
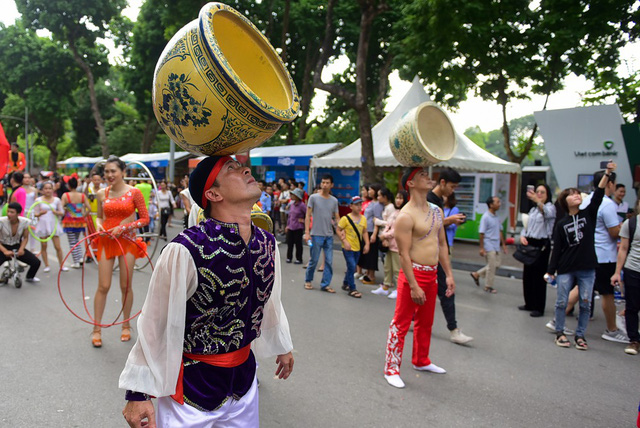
{"points": [[14, 235]]}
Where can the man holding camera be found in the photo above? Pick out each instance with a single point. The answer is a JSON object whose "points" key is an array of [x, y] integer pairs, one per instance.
{"points": [[14, 235], [448, 182]]}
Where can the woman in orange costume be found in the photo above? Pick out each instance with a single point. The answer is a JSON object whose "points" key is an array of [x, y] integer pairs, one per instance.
{"points": [[117, 205]]}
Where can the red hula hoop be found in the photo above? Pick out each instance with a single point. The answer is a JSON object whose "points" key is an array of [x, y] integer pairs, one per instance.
{"points": [[92, 320]]}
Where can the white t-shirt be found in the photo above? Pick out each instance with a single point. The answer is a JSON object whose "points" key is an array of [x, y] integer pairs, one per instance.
{"points": [[633, 256], [606, 246]]}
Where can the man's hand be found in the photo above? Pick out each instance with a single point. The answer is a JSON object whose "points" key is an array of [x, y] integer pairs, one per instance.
{"points": [[20, 252], [8, 254], [418, 296], [504, 249], [457, 218], [615, 279], [136, 411], [483, 253], [285, 365], [306, 236], [523, 240], [451, 286]]}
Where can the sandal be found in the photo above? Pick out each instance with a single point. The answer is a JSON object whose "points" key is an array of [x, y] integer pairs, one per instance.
{"points": [[581, 343], [355, 293], [125, 336], [490, 290], [345, 286], [308, 286], [562, 341], [328, 289], [96, 338], [475, 279]]}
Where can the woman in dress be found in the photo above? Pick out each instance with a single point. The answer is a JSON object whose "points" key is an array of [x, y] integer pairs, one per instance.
{"points": [[117, 205], [49, 212], [537, 233], [165, 205], [76, 206], [31, 195]]}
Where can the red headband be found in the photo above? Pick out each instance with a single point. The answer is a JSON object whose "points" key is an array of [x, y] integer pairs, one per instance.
{"points": [[413, 173], [212, 177]]}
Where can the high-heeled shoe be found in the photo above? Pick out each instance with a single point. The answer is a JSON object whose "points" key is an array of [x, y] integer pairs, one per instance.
{"points": [[126, 334], [96, 339]]}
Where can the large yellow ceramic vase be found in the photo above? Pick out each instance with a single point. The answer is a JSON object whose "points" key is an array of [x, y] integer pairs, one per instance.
{"points": [[423, 136], [220, 87]]}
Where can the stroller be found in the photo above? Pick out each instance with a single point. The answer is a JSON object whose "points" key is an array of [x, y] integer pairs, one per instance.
{"points": [[12, 271]]}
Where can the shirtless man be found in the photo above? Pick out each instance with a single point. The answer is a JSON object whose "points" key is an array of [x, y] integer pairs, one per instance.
{"points": [[422, 244]]}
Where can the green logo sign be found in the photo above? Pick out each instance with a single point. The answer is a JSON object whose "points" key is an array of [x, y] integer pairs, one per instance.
{"points": [[608, 145]]}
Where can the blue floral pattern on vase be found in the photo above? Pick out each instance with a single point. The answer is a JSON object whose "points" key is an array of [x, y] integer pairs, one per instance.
{"points": [[179, 108]]}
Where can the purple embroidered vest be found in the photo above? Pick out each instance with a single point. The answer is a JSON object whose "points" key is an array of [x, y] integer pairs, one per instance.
{"points": [[235, 280]]}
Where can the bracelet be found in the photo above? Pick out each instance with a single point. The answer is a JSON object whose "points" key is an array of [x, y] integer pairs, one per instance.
{"points": [[136, 396]]}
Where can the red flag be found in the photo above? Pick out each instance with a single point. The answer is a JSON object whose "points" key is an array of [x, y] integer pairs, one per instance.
{"points": [[4, 152]]}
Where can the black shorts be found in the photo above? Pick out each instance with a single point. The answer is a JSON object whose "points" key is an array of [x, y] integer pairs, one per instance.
{"points": [[604, 272]]}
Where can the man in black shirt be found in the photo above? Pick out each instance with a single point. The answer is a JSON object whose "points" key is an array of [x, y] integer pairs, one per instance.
{"points": [[448, 181]]}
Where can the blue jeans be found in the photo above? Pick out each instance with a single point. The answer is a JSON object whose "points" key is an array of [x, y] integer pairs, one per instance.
{"points": [[585, 280], [320, 243], [351, 257]]}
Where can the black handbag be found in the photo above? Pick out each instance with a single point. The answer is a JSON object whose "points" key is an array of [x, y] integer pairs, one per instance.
{"points": [[528, 254]]}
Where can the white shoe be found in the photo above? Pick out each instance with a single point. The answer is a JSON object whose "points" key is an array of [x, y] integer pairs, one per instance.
{"points": [[356, 275], [459, 337], [34, 279], [430, 368], [360, 277], [393, 295], [394, 380], [46, 269], [76, 265], [380, 291], [64, 269], [551, 325]]}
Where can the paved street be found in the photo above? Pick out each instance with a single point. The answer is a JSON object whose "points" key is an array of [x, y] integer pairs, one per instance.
{"points": [[512, 375]]}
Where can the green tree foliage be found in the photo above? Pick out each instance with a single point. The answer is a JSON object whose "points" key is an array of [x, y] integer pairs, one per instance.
{"points": [[507, 49], [79, 23], [623, 90], [41, 75]]}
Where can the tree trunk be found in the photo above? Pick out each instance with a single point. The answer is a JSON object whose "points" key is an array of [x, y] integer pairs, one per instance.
{"points": [[95, 108], [285, 30], [383, 88], [306, 95], [369, 12], [151, 129]]}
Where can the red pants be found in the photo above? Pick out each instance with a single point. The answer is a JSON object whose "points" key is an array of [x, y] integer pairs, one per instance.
{"points": [[422, 317]]}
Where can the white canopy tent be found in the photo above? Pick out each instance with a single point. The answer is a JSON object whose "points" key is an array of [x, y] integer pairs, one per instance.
{"points": [[468, 157]]}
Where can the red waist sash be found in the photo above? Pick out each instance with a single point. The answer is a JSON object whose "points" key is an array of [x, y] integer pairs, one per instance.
{"points": [[230, 359]]}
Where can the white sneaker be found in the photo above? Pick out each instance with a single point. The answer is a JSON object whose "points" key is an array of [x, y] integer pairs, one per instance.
{"points": [[380, 291], [394, 380], [360, 277], [393, 295], [459, 337], [46, 269], [76, 265], [430, 368], [551, 325], [64, 269], [34, 279], [615, 336]]}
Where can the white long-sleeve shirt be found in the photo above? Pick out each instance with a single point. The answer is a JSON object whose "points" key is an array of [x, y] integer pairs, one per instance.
{"points": [[154, 362]]}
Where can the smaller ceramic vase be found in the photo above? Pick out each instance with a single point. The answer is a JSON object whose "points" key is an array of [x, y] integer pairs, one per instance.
{"points": [[423, 136]]}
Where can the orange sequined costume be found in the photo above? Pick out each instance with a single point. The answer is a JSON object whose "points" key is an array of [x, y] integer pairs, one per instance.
{"points": [[115, 210]]}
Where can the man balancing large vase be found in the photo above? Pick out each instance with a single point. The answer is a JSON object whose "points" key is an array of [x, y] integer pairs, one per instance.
{"points": [[215, 294], [214, 299]]}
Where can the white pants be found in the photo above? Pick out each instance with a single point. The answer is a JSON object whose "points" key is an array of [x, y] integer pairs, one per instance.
{"points": [[243, 413]]}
